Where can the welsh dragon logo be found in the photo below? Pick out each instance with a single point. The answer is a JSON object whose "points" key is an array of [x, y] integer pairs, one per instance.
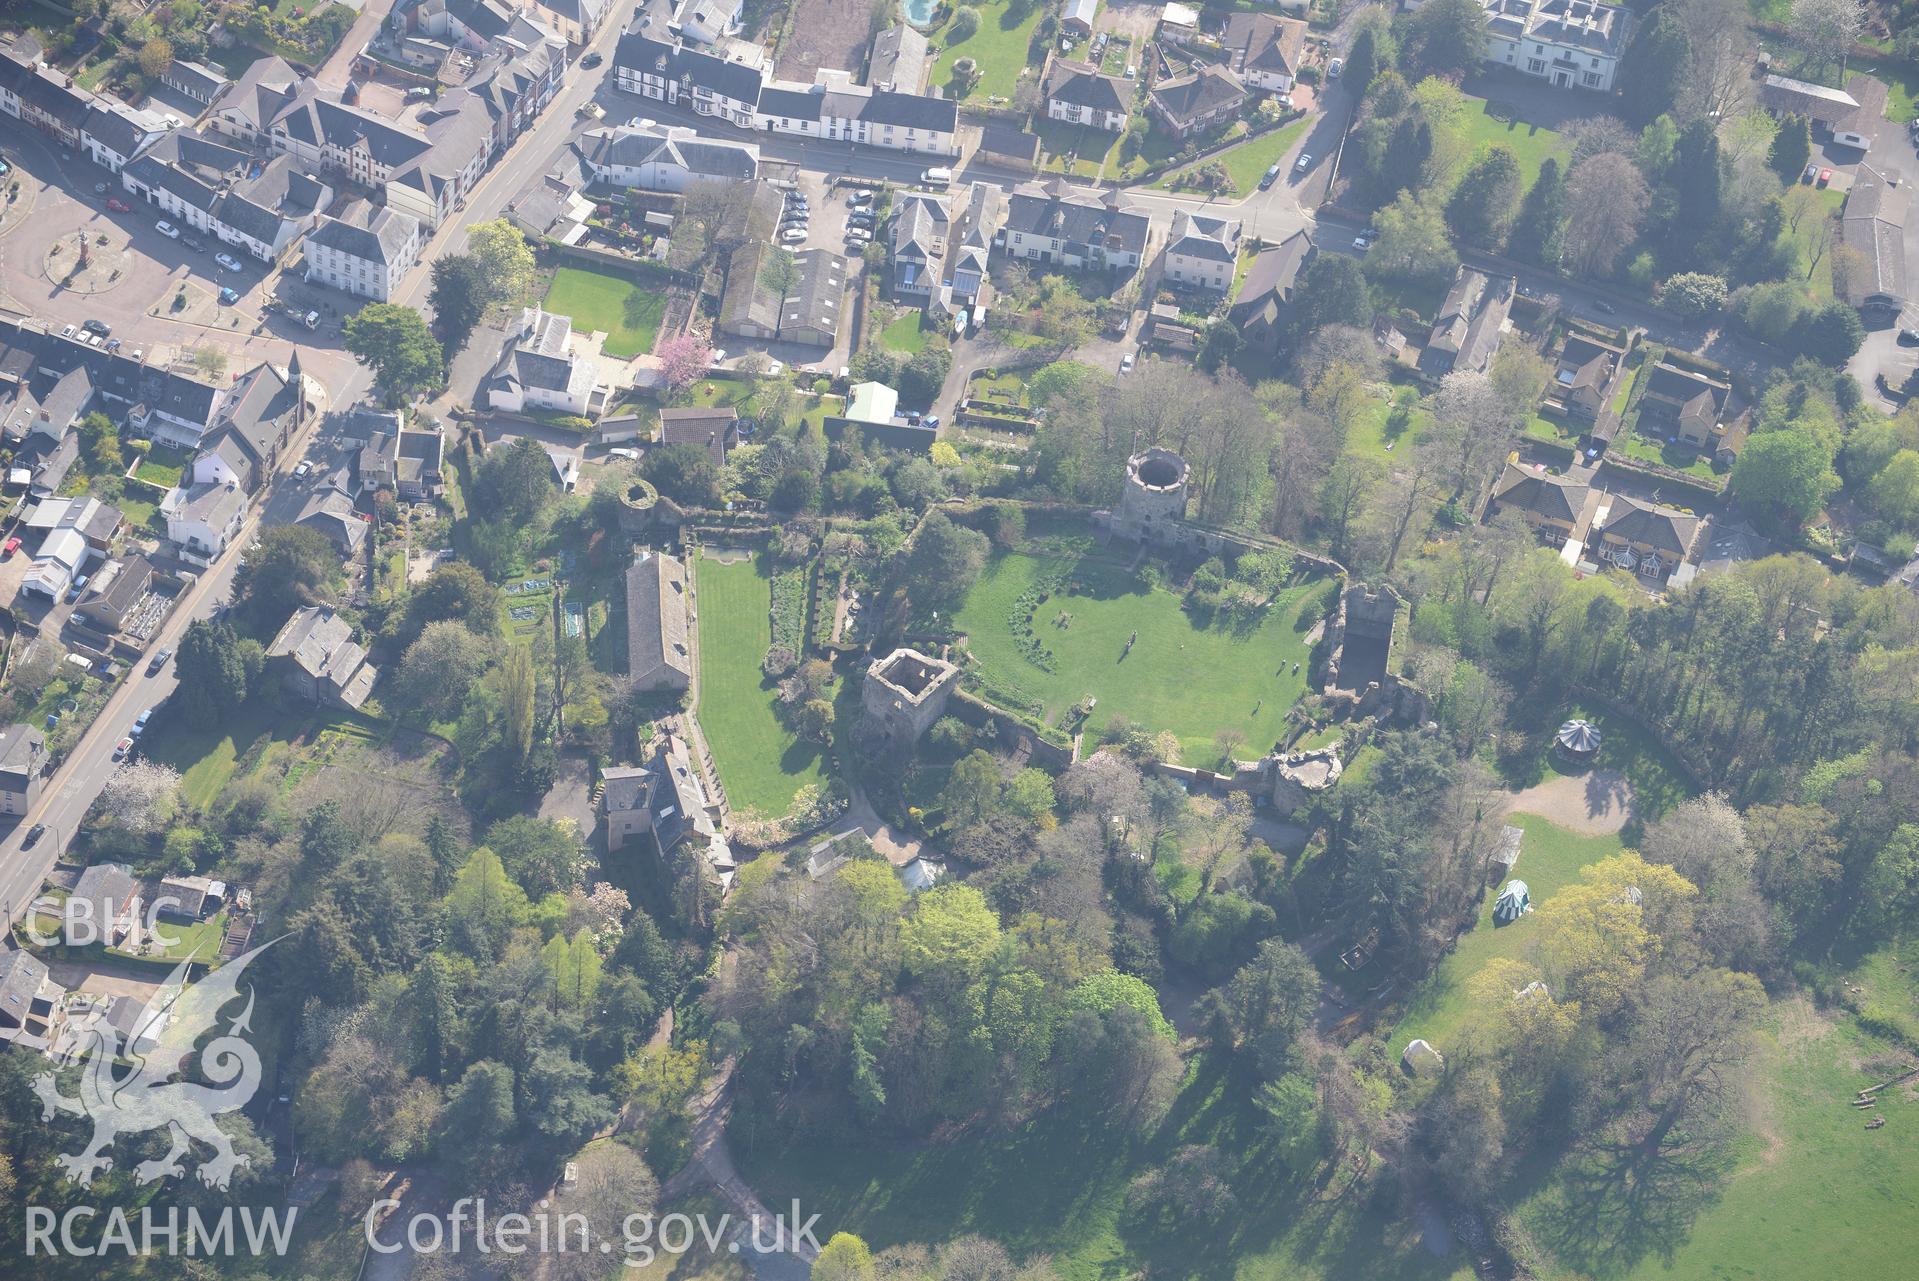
{"points": [[146, 1096]]}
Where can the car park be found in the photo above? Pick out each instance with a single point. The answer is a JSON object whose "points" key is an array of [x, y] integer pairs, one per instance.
{"points": [[69, 331], [118, 205], [100, 327], [793, 235], [113, 344], [859, 220], [228, 261], [858, 199], [167, 229]]}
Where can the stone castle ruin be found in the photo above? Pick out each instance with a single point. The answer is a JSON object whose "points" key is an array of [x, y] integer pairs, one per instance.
{"points": [[1359, 638], [903, 694], [1152, 511]]}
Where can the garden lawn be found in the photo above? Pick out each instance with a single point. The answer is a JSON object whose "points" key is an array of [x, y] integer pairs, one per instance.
{"points": [[1817, 279], [761, 763], [1057, 1186], [1680, 457], [904, 334], [1247, 163], [1530, 143], [1550, 858], [1182, 675], [627, 313], [1385, 426], [999, 46], [208, 758], [1092, 148], [163, 466]]}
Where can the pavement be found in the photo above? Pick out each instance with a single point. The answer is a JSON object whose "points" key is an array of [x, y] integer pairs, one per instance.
{"points": [[70, 792]]}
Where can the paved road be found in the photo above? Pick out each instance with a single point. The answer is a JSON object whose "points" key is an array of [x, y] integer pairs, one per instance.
{"points": [[73, 787]]}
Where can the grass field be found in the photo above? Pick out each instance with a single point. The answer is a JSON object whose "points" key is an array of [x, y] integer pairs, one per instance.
{"points": [[999, 46], [1249, 678], [1388, 425], [1550, 858], [1810, 1192], [760, 763], [904, 334], [628, 314]]}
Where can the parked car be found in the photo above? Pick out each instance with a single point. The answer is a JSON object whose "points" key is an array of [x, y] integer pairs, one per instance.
{"points": [[118, 205], [591, 60], [158, 661], [100, 327], [167, 229], [860, 220], [229, 262], [858, 235], [123, 748], [1271, 176], [1825, 177], [419, 93], [303, 470], [1909, 336], [1304, 163], [1334, 67], [194, 243], [860, 199], [5, 168], [12, 546], [113, 344], [793, 235], [140, 722], [69, 331], [33, 836], [1364, 240], [228, 295], [1126, 363]]}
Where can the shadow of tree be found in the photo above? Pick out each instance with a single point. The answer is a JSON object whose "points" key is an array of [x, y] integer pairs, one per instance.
{"points": [[1618, 1204]]}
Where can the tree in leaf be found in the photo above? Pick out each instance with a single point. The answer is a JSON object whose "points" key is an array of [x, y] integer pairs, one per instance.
{"points": [[1606, 201], [1482, 203], [293, 566], [213, 672], [515, 482], [458, 299], [1372, 51], [1446, 37], [395, 343], [1653, 73], [944, 562], [1332, 291], [1792, 148], [845, 1257], [1537, 231], [503, 261], [516, 697], [1786, 473]]}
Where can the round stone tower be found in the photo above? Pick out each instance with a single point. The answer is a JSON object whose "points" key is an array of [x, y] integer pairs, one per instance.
{"points": [[1155, 489]]}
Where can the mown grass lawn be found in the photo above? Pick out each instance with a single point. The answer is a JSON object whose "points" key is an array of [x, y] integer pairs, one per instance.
{"points": [[904, 334], [163, 466], [1549, 859], [1185, 673], [999, 46], [1388, 425], [760, 762], [208, 758], [1816, 276], [627, 313], [1530, 143], [1247, 163], [1092, 148], [1657, 782]]}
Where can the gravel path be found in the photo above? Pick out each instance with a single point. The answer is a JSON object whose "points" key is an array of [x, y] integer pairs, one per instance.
{"points": [[1596, 803]]}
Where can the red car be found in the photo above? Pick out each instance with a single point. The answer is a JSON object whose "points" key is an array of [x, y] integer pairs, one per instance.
{"points": [[118, 205], [1825, 176], [13, 545]]}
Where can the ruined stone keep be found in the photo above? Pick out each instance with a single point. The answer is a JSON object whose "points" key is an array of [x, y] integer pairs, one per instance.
{"points": [[903, 694]]}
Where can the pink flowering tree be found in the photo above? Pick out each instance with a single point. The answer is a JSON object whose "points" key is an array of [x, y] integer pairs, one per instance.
{"points": [[683, 360]]}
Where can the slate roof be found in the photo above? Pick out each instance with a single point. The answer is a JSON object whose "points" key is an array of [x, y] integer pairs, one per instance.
{"points": [[904, 110], [1267, 289], [657, 646], [733, 80], [1467, 333], [1204, 236], [320, 643], [29, 347], [1261, 42], [22, 975], [1061, 212], [1198, 93], [201, 82], [1874, 224], [1542, 493], [639, 144], [330, 511], [712, 429], [1082, 85], [900, 58], [1660, 528], [22, 750], [372, 233]]}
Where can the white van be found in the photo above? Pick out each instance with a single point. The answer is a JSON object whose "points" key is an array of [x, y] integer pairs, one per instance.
{"points": [[937, 177]]}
